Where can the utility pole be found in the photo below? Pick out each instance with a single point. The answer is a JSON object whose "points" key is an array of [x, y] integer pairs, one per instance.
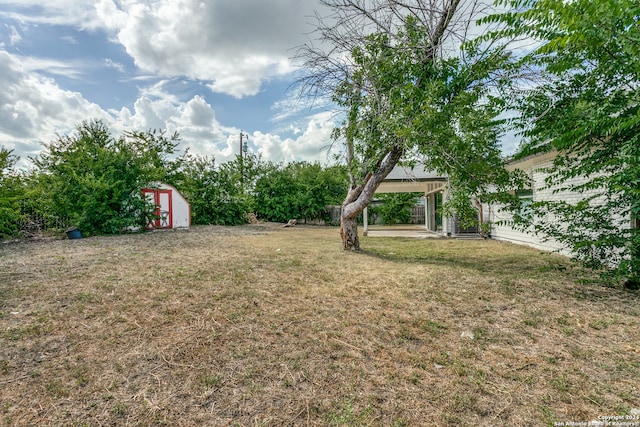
{"points": [[243, 143], [243, 150]]}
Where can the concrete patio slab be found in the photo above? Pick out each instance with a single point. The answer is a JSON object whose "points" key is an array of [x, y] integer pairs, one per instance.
{"points": [[417, 232]]}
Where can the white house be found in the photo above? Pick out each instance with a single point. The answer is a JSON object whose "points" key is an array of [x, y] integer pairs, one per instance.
{"points": [[434, 187], [535, 167], [172, 210]]}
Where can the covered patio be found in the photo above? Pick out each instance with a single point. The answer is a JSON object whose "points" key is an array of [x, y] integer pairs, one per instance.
{"points": [[416, 179]]}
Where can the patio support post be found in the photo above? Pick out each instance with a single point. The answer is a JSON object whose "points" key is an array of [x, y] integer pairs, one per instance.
{"points": [[426, 211], [365, 220]]}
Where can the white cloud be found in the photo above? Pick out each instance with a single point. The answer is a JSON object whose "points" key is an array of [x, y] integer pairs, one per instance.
{"points": [[109, 63], [232, 47], [157, 90], [70, 69], [14, 36], [314, 144], [33, 108], [236, 46], [292, 104], [56, 12], [199, 130]]}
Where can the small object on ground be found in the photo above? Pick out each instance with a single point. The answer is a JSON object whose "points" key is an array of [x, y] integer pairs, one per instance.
{"points": [[74, 233], [467, 334], [251, 218], [291, 223], [632, 284]]}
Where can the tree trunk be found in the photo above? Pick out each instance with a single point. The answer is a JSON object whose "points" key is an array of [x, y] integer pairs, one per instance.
{"points": [[349, 233], [360, 196]]}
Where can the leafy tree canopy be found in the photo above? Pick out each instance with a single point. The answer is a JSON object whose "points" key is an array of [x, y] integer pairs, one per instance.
{"points": [[96, 179], [410, 93], [11, 190], [438, 111], [586, 107]]}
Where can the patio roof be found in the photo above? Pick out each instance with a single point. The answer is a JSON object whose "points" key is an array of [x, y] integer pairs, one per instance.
{"points": [[416, 179]]}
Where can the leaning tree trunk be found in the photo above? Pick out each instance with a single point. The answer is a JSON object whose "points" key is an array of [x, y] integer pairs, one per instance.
{"points": [[360, 196], [346, 28], [354, 203]]}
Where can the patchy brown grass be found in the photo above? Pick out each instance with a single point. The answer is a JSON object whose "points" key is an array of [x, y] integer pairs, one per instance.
{"points": [[261, 325]]}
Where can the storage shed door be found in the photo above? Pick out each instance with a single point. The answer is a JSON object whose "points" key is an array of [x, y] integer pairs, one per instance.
{"points": [[163, 214]]}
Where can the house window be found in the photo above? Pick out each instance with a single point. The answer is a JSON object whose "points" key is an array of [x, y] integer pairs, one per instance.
{"points": [[526, 200]]}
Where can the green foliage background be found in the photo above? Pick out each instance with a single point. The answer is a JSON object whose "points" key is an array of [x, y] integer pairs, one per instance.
{"points": [[298, 191], [585, 106], [395, 208], [92, 180], [96, 179], [11, 191]]}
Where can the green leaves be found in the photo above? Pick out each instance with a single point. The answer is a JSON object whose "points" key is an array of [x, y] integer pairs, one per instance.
{"points": [[298, 190], [11, 190], [437, 108], [396, 207], [586, 109], [97, 179], [224, 194], [216, 192]]}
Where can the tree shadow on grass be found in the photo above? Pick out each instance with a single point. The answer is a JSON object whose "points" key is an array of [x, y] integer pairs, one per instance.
{"points": [[552, 271], [483, 262]]}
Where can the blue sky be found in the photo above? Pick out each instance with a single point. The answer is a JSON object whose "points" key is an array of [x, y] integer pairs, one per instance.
{"points": [[206, 69]]}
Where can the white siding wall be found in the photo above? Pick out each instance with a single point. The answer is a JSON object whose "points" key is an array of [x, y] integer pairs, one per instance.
{"points": [[180, 211], [535, 170], [505, 232], [179, 206]]}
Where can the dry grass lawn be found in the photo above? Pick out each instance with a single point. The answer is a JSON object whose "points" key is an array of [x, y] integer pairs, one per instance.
{"points": [[267, 326]]}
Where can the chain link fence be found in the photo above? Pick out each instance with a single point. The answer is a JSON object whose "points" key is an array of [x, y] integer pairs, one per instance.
{"points": [[36, 225]]}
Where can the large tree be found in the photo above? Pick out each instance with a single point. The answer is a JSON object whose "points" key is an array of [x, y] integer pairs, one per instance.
{"points": [[11, 191], [96, 179], [587, 109], [407, 91]]}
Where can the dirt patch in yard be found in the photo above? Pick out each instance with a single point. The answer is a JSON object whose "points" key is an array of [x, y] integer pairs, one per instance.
{"points": [[264, 325]]}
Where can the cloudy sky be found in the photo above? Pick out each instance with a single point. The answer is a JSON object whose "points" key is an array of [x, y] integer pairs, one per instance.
{"points": [[204, 68], [207, 69]]}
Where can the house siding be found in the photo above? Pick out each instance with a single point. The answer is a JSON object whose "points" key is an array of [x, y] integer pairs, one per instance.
{"points": [[540, 192]]}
